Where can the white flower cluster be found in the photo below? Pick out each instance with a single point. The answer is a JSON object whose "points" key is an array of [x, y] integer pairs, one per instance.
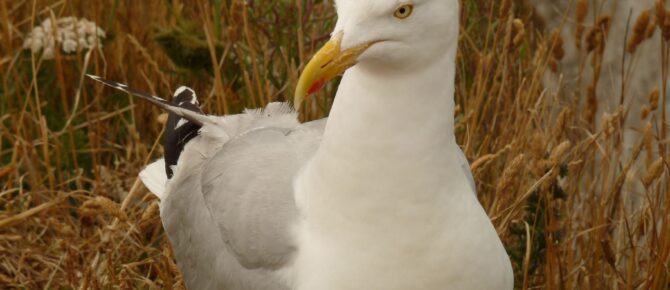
{"points": [[68, 32]]}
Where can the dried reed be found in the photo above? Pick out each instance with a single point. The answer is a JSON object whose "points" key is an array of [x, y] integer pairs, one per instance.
{"points": [[575, 208]]}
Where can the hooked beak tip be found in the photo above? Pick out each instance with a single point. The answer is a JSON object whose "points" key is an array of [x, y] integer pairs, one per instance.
{"points": [[329, 62]]}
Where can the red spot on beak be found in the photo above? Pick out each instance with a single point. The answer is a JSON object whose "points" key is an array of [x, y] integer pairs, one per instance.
{"points": [[317, 86]]}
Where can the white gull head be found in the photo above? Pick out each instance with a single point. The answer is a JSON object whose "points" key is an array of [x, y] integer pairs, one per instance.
{"points": [[407, 34]]}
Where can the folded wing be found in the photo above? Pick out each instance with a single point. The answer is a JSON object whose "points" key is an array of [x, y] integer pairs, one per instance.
{"points": [[247, 210]]}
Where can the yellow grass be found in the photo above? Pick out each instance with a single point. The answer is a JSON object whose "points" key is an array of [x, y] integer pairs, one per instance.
{"points": [[577, 205]]}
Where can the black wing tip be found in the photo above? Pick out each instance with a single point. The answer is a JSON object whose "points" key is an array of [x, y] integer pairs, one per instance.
{"points": [[185, 95], [179, 131], [100, 79]]}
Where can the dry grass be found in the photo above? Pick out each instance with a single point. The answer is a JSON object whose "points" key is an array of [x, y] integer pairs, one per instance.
{"points": [[577, 205]]}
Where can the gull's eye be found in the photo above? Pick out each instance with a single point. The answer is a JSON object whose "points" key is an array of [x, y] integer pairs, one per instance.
{"points": [[404, 11]]}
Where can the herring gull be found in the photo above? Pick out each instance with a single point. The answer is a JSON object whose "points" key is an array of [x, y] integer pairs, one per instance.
{"points": [[378, 196]]}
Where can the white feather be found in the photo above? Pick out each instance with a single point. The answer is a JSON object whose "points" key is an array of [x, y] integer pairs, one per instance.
{"points": [[155, 178]]}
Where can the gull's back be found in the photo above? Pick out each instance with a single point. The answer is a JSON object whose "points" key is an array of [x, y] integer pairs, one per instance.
{"points": [[228, 210]]}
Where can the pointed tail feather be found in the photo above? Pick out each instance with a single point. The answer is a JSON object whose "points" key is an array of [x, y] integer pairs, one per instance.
{"points": [[195, 117]]}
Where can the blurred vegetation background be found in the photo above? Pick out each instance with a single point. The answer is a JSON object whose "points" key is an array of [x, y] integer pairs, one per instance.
{"points": [[571, 167]]}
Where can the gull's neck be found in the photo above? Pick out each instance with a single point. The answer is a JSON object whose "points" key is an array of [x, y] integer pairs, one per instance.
{"points": [[385, 202], [393, 124]]}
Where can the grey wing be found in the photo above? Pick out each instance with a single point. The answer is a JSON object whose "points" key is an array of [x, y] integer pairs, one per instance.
{"points": [[247, 187], [465, 165]]}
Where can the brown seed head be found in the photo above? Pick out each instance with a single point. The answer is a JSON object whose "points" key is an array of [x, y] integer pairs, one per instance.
{"points": [[604, 22], [537, 146], [581, 12], [561, 124], [557, 51], [510, 174], [660, 13], [102, 205], [651, 27], [644, 112], [653, 99], [653, 172], [519, 32], [639, 31], [557, 155], [591, 104], [592, 39], [595, 38]]}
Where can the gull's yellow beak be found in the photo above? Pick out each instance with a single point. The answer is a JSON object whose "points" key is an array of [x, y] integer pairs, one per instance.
{"points": [[329, 62]]}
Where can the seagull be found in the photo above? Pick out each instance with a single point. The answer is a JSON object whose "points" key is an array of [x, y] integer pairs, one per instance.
{"points": [[377, 196]]}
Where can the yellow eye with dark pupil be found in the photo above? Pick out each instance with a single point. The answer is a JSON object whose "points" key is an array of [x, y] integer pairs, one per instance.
{"points": [[403, 11]]}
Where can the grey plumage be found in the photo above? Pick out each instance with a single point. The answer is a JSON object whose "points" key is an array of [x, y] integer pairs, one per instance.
{"points": [[245, 186], [229, 208]]}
